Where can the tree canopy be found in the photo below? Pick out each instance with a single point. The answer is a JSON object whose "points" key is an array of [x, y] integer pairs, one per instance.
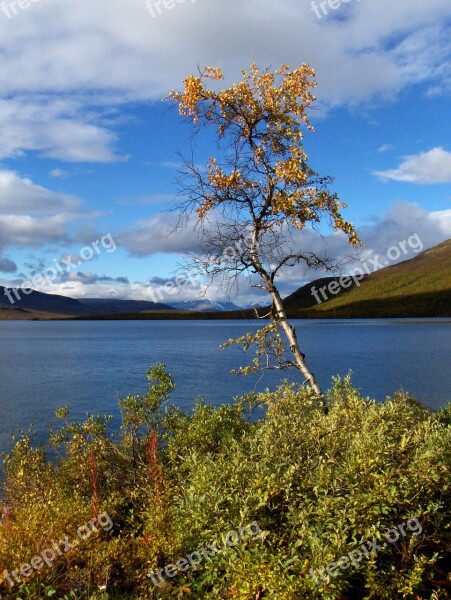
{"points": [[259, 188]]}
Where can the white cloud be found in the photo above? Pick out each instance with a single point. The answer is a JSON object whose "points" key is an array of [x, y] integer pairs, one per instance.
{"points": [[59, 173], [429, 167], [54, 127], [93, 286], [76, 61], [33, 232], [159, 233], [402, 222], [89, 278], [384, 148], [443, 220], [33, 216], [20, 196]]}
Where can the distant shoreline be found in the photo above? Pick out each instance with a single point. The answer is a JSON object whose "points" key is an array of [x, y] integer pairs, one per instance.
{"points": [[216, 316]]}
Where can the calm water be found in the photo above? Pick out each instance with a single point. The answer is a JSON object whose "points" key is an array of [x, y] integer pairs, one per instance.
{"points": [[44, 365]]}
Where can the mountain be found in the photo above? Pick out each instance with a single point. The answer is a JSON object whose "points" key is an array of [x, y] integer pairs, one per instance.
{"points": [[38, 301], [45, 306], [418, 287], [63, 305], [205, 305], [112, 306]]}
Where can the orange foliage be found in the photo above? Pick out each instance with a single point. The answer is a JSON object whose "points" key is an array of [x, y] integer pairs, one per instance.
{"points": [[264, 114]]}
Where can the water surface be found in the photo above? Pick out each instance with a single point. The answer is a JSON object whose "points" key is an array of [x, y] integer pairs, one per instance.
{"points": [[44, 365]]}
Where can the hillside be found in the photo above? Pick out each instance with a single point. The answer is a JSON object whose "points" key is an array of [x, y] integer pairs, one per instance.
{"points": [[22, 314], [419, 287]]}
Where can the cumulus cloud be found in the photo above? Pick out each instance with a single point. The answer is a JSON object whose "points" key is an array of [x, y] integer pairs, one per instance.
{"points": [[89, 285], [53, 127], [33, 232], [403, 221], [160, 233], [69, 69], [431, 167], [91, 278], [115, 288], [33, 216], [20, 196], [94, 57]]}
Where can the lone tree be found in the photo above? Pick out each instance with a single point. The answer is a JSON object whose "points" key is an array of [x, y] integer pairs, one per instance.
{"points": [[255, 197]]}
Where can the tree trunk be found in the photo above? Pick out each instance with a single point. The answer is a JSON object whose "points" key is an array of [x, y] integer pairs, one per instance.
{"points": [[281, 316], [290, 332]]}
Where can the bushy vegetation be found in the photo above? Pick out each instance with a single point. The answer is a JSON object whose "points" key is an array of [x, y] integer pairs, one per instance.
{"points": [[318, 483]]}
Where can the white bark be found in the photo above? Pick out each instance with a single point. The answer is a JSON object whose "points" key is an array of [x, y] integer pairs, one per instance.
{"points": [[281, 316], [290, 332]]}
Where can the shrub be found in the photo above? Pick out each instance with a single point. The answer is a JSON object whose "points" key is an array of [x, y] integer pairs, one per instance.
{"points": [[315, 486]]}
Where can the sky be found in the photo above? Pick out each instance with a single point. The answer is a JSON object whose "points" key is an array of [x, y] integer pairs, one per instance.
{"points": [[89, 150]]}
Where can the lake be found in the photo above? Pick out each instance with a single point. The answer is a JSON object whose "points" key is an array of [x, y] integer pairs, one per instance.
{"points": [[44, 365]]}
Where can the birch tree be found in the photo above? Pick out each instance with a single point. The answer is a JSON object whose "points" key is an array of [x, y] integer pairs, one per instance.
{"points": [[254, 198]]}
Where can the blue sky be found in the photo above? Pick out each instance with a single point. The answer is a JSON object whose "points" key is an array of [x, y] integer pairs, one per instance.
{"points": [[88, 148]]}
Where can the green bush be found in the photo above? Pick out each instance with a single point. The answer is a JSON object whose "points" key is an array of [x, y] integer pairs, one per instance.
{"points": [[315, 486]]}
